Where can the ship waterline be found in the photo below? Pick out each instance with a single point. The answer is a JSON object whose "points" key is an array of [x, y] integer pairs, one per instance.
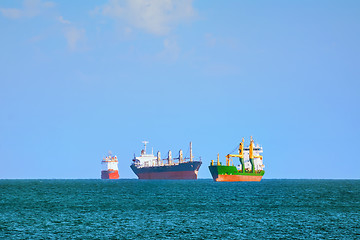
{"points": [[228, 174], [188, 170], [110, 174]]}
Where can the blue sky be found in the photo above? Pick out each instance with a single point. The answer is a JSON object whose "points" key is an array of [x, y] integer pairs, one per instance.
{"points": [[80, 78]]}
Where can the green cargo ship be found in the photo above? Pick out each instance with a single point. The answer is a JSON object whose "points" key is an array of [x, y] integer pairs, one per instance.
{"points": [[250, 168]]}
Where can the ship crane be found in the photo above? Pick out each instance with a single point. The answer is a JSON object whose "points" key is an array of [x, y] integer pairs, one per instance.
{"points": [[241, 155], [181, 157], [252, 156]]}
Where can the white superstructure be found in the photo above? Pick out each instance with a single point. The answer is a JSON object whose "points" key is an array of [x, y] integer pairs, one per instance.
{"points": [[109, 163], [145, 160], [258, 162]]}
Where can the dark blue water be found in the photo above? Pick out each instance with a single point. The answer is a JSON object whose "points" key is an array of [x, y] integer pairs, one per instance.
{"points": [[203, 209]]}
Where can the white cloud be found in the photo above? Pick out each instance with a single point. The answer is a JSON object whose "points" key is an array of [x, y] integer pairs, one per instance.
{"points": [[73, 36], [31, 8], [11, 12], [62, 20], [154, 16], [171, 50]]}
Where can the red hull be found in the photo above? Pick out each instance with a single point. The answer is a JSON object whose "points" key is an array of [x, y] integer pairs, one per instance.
{"points": [[169, 175], [238, 178], [109, 175]]}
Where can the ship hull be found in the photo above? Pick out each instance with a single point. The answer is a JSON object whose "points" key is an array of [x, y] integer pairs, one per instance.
{"points": [[110, 174], [182, 171], [231, 174]]}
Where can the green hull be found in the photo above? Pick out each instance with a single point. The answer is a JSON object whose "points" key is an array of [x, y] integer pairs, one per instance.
{"points": [[231, 174]]}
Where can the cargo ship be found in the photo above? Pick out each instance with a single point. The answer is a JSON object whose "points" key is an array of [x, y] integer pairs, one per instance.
{"points": [[109, 167], [148, 166], [251, 168]]}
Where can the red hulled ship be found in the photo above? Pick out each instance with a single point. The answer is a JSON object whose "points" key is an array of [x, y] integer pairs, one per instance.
{"points": [[109, 167]]}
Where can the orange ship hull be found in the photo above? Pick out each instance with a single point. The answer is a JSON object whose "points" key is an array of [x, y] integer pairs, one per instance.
{"points": [[109, 174], [237, 178]]}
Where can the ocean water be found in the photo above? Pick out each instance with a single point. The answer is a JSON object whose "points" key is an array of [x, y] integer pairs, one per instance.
{"points": [[202, 209]]}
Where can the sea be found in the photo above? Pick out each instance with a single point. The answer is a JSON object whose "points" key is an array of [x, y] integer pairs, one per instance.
{"points": [[172, 209]]}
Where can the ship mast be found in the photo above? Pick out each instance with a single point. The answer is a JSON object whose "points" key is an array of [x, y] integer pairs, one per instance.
{"points": [[241, 155], [145, 142], [251, 154], [191, 156]]}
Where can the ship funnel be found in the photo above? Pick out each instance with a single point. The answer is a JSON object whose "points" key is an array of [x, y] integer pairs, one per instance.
{"points": [[241, 155]]}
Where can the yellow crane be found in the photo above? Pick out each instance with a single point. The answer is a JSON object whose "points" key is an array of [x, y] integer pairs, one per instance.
{"points": [[240, 155], [251, 155]]}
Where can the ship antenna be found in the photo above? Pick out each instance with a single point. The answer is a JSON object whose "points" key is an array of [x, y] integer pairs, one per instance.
{"points": [[145, 142], [191, 156]]}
